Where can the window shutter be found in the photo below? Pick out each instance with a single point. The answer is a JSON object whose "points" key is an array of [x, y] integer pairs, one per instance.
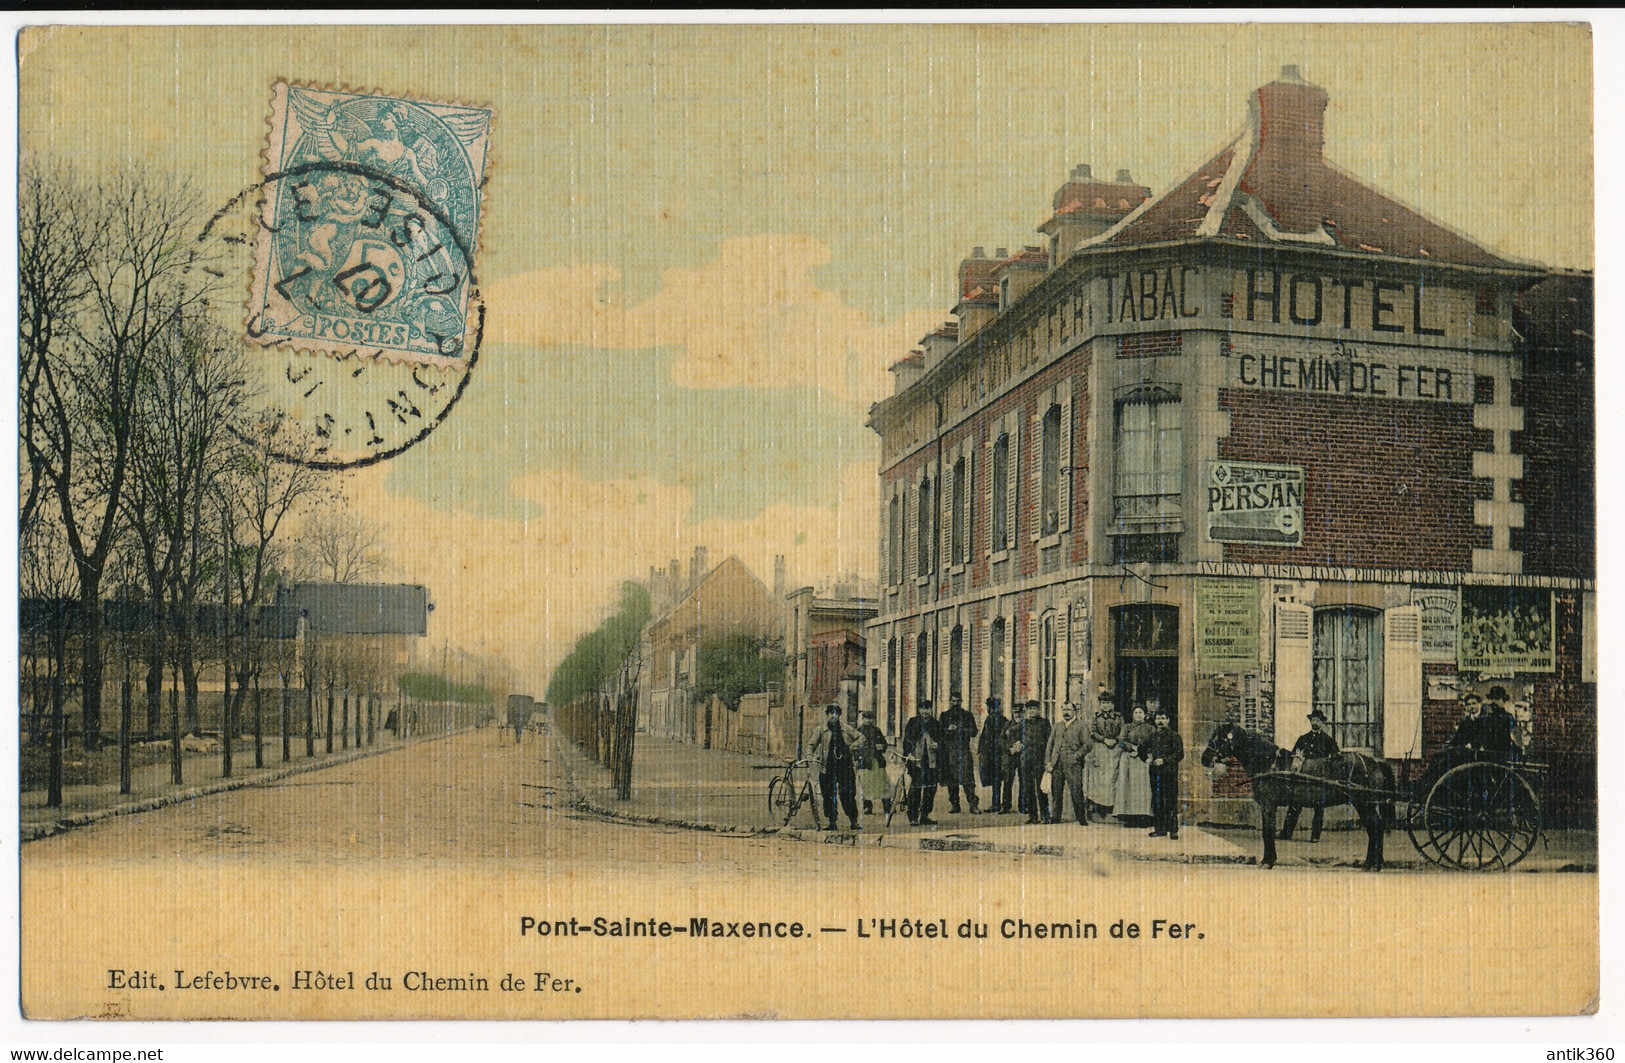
{"points": [[992, 468], [908, 524], [945, 512], [969, 518], [1402, 683], [945, 675], [1012, 481], [1063, 655], [1030, 690], [1035, 471], [1064, 486], [1294, 671], [887, 577]]}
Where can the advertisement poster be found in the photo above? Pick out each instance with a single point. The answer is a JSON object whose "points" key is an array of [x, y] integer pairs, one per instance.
{"points": [[1226, 625], [1506, 629], [1254, 503]]}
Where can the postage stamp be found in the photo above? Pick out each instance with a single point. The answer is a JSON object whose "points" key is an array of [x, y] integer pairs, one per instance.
{"points": [[369, 223]]}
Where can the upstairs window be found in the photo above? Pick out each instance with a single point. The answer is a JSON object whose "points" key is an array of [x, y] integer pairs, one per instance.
{"points": [[1149, 453], [925, 536], [1001, 493], [1049, 497], [959, 527]]}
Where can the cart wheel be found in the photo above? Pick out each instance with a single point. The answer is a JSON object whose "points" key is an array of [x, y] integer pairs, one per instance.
{"points": [[1480, 816], [1416, 827], [778, 800]]}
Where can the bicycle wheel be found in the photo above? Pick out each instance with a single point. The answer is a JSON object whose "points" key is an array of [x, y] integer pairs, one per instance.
{"points": [[807, 797], [779, 803]]}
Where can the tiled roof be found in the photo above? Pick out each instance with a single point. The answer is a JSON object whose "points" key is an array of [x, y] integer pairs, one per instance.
{"points": [[1287, 193]]}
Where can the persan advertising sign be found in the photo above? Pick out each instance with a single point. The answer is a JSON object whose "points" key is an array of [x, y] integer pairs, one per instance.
{"points": [[1252, 503]]}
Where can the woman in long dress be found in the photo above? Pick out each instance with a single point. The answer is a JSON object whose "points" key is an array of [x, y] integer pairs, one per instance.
{"points": [[871, 762], [1133, 776], [1101, 766]]}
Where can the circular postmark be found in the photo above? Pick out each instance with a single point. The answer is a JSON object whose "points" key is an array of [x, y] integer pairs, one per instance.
{"points": [[357, 403]]}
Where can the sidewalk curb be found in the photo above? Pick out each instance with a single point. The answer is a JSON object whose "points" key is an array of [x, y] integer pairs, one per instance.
{"points": [[867, 839], [34, 832], [583, 803]]}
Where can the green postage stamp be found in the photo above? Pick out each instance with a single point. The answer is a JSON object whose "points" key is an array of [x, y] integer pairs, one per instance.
{"points": [[369, 222]]}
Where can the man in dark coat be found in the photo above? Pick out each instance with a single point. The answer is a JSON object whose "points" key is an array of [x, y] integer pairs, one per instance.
{"points": [[1028, 735], [990, 755], [1498, 722], [922, 751], [1315, 744], [831, 754], [1163, 752], [959, 764]]}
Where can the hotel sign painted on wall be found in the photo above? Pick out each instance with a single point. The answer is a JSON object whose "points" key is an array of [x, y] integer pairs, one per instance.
{"points": [[1249, 502]]}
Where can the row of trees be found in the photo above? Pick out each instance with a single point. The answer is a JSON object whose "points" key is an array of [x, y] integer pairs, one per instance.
{"points": [[152, 474]]}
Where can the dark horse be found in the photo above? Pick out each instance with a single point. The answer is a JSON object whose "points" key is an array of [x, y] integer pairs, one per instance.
{"points": [[1346, 779]]}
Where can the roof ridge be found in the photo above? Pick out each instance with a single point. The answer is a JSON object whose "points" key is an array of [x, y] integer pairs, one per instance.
{"points": [[1465, 237], [1134, 215], [1222, 197]]}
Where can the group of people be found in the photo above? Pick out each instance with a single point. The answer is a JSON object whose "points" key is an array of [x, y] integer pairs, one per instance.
{"points": [[1105, 765]]}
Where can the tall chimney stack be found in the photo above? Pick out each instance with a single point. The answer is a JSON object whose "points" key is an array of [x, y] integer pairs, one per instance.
{"points": [[1290, 115]]}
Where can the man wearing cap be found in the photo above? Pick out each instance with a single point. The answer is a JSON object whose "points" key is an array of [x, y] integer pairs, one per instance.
{"points": [[1029, 742], [959, 764], [831, 752], [990, 757], [1162, 752], [1315, 744], [922, 750]]}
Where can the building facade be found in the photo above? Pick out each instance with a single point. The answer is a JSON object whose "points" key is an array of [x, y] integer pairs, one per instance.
{"points": [[1265, 443]]}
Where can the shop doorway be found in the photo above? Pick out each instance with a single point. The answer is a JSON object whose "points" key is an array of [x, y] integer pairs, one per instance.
{"points": [[1146, 638]]}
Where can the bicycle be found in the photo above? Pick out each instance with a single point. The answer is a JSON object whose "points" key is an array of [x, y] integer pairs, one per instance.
{"points": [[789, 790], [897, 767]]}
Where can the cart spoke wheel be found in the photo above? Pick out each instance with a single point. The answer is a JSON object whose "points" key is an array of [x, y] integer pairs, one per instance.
{"points": [[1479, 816]]}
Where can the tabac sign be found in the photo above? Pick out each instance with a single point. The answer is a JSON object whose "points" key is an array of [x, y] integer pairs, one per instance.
{"points": [[1252, 503]]}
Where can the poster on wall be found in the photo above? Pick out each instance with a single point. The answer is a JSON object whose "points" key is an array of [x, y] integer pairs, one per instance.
{"points": [[1441, 619], [1226, 625], [1078, 630], [1252, 503], [1506, 629]]}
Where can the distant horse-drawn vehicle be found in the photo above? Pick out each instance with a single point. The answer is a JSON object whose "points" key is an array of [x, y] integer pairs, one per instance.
{"points": [[1470, 810]]}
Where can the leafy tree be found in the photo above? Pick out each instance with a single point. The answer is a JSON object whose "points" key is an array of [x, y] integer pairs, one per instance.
{"points": [[733, 666], [601, 652]]}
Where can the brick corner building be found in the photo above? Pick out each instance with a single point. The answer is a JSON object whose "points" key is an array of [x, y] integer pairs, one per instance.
{"points": [[1267, 442]]}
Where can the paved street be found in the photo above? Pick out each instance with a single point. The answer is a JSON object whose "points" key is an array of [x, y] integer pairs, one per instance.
{"points": [[476, 795]]}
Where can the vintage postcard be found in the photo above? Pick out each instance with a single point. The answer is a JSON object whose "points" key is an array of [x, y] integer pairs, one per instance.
{"points": [[806, 521]]}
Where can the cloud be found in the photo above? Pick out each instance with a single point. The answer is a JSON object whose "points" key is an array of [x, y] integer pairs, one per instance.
{"points": [[753, 317]]}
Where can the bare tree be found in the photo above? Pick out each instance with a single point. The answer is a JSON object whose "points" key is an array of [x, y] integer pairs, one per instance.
{"points": [[51, 290], [259, 491], [194, 389], [130, 243], [341, 546]]}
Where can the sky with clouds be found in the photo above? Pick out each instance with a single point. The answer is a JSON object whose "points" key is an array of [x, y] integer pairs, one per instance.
{"points": [[703, 245]]}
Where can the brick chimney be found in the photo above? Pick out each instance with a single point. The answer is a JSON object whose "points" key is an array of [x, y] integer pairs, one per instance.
{"points": [[978, 295], [1290, 115], [1087, 206], [697, 567]]}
